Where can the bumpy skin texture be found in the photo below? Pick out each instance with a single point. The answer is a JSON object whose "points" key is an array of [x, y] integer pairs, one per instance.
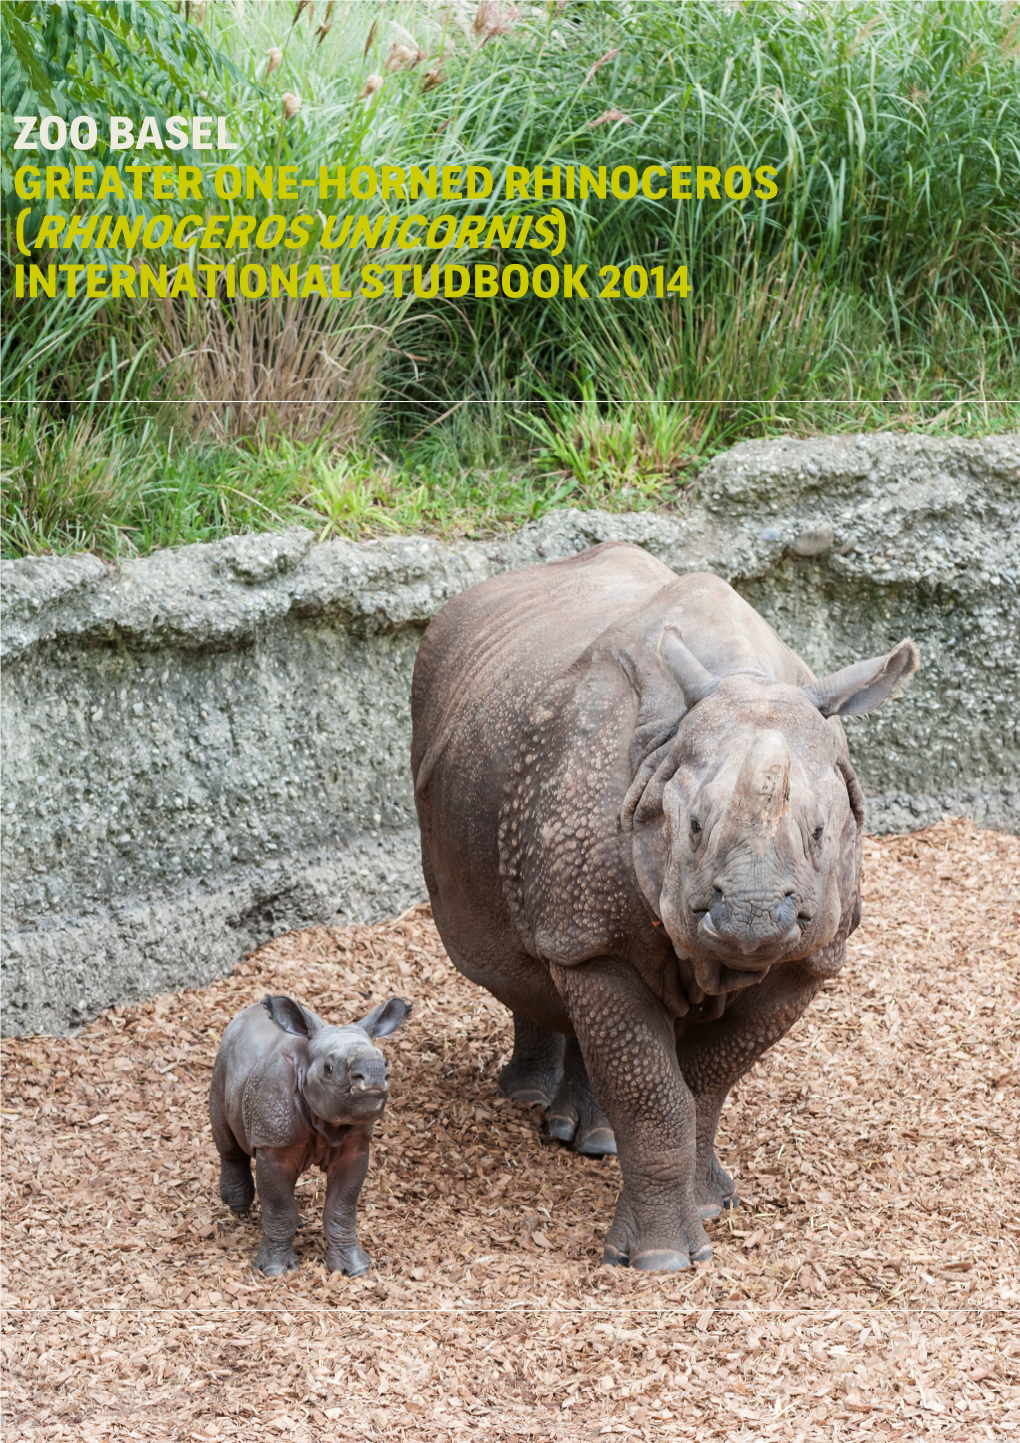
{"points": [[293, 1092], [641, 832]]}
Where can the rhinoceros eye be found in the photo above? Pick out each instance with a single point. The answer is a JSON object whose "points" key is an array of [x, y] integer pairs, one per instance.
{"points": [[695, 826], [816, 835], [328, 1068]]}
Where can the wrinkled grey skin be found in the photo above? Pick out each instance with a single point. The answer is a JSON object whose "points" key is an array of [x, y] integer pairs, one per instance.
{"points": [[293, 1092], [642, 833]]}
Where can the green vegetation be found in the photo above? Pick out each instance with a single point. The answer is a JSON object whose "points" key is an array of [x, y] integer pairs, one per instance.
{"points": [[85, 486], [97, 58], [878, 289]]}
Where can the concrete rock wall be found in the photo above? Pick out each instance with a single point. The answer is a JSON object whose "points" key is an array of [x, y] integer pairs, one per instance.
{"points": [[207, 747]]}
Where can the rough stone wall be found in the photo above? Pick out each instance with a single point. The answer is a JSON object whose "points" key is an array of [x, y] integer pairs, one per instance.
{"points": [[207, 747]]}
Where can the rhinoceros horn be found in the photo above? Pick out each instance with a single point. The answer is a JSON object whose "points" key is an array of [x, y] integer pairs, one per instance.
{"points": [[761, 794]]}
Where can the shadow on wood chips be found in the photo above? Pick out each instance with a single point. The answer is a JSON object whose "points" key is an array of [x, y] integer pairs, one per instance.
{"points": [[867, 1288]]}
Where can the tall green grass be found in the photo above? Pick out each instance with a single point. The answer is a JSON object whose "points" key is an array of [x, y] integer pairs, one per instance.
{"points": [[880, 287], [95, 484], [94, 481], [888, 266]]}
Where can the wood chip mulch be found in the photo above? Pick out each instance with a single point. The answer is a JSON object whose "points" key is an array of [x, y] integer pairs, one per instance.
{"points": [[866, 1289]]}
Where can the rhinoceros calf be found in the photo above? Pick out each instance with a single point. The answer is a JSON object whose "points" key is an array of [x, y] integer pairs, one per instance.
{"points": [[294, 1092], [641, 832]]}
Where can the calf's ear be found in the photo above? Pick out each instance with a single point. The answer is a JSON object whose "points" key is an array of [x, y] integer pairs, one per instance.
{"points": [[861, 688], [385, 1018], [290, 1016]]}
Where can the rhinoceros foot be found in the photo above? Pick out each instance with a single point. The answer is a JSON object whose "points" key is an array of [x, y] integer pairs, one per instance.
{"points": [[715, 1190], [660, 1260], [713, 1209], [533, 1073], [527, 1093], [351, 1261], [654, 1260], [663, 1244], [274, 1261], [574, 1113], [593, 1141]]}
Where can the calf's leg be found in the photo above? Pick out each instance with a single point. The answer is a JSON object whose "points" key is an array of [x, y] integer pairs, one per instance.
{"points": [[339, 1216], [628, 1044], [276, 1172], [713, 1056], [237, 1189]]}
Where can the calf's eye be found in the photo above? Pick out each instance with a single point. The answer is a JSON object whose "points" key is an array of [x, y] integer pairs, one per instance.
{"points": [[329, 1067]]}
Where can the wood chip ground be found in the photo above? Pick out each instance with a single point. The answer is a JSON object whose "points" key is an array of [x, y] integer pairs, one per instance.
{"points": [[866, 1289]]}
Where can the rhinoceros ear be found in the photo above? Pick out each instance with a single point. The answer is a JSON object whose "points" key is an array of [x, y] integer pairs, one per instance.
{"points": [[684, 667], [385, 1018], [861, 688], [290, 1016]]}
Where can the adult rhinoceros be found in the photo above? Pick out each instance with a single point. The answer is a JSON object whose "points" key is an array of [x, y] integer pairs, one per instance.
{"points": [[642, 833]]}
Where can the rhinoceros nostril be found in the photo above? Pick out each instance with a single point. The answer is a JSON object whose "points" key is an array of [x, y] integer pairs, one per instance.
{"points": [[367, 1074], [786, 912]]}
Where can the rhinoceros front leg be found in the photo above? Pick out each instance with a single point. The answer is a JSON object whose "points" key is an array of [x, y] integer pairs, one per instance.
{"points": [[628, 1044], [346, 1174], [713, 1056], [536, 1066], [276, 1173]]}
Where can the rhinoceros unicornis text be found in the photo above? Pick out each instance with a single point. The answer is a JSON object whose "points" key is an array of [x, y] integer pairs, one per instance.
{"points": [[640, 831]]}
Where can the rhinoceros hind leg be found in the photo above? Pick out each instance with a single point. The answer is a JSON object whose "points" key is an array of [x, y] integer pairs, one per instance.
{"points": [[715, 1190], [237, 1186], [237, 1189], [574, 1114], [536, 1066]]}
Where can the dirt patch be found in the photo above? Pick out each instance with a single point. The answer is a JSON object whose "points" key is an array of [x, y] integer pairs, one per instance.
{"points": [[867, 1288]]}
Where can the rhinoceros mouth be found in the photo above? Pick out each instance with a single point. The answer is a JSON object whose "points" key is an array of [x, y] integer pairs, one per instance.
{"points": [[367, 1099], [751, 953]]}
